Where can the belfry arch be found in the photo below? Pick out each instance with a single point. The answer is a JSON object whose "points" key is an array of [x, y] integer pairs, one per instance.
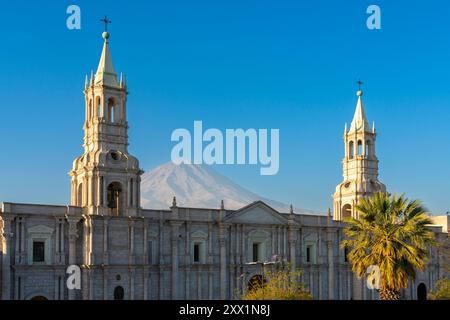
{"points": [[347, 211], [115, 198]]}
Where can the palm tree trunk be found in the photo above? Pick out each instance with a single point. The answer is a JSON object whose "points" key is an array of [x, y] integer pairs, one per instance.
{"points": [[389, 294]]}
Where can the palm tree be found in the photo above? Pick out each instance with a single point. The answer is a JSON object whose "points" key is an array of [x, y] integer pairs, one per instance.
{"points": [[391, 233]]}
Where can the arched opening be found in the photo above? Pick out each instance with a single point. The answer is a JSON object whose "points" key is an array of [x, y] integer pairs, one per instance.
{"points": [[115, 198], [119, 293], [255, 282], [351, 149], [422, 291], [80, 195], [360, 148], [39, 298], [112, 112], [346, 211]]}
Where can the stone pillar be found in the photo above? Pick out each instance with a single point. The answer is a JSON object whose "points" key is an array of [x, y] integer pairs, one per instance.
{"points": [[131, 255], [291, 242], [145, 286], [145, 257], [62, 245], [73, 235], [17, 241], [223, 262], [23, 254], [330, 269], [6, 261], [210, 261], [105, 283], [187, 260], [84, 282], [174, 244], [91, 193], [105, 240], [57, 242], [132, 274]]}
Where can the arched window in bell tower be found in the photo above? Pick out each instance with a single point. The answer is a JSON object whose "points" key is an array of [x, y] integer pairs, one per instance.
{"points": [[115, 199], [351, 149], [346, 211], [112, 110], [360, 148]]}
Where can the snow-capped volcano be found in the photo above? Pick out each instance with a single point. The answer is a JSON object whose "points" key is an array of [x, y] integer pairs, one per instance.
{"points": [[197, 186]]}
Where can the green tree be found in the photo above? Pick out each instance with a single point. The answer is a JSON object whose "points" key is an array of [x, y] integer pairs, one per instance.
{"points": [[279, 285], [391, 233], [442, 291]]}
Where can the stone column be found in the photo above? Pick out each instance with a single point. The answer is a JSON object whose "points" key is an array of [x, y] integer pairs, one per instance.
{"points": [[210, 261], [174, 244], [105, 283], [6, 261], [146, 280], [62, 256], [292, 242], [330, 269], [91, 191], [85, 268], [132, 274], [57, 241], [17, 241], [188, 261], [23, 254], [73, 235], [131, 255], [105, 240], [223, 262], [145, 242]]}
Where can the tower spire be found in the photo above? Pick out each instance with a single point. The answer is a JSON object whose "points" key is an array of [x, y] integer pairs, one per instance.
{"points": [[360, 122], [106, 75]]}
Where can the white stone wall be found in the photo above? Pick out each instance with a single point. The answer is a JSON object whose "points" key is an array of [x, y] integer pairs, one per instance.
{"points": [[116, 250]]}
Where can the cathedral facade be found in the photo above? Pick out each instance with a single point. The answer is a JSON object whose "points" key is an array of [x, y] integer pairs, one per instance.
{"points": [[126, 252]]}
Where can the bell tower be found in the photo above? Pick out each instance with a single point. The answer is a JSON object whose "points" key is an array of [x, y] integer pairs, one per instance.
{"points": [[360, 165], [106, 178]]}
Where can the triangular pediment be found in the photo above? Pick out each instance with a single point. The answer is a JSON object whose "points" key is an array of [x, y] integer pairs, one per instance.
{"points": [[258, 213], [40, 229]]}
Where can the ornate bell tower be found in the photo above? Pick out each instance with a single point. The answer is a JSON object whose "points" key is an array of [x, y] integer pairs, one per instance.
{"points": [[106, 178], [360, 165]]}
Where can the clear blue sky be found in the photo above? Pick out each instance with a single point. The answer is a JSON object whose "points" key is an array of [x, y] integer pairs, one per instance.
{"points": [[290, 65]]}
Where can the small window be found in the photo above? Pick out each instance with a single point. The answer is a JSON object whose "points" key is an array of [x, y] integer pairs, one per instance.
{"points": [[38, 251], [115, 156], [346, 254], [308, 254], [196, 252], [255, 252]]}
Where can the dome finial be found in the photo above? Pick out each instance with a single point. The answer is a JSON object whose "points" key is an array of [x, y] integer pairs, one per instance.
{"points": [[105, 33], [359, 93]]}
